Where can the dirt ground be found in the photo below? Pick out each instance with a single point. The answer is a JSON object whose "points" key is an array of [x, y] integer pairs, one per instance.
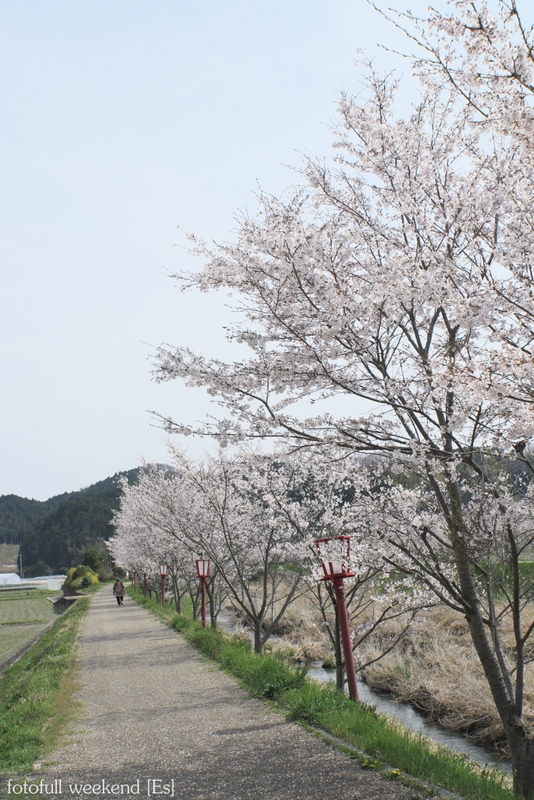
{"points": [[9, 554]]}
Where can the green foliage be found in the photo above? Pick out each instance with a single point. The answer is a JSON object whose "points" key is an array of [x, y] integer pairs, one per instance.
{"points": [[80, 577], [503, 577], [526, 570], [29, 689], [104, 574], [39, 568], [95, 559], [119, 572]]}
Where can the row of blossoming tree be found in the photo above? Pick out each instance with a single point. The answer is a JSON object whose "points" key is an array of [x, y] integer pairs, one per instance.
{"points": [[401, 279], [256, 517]]}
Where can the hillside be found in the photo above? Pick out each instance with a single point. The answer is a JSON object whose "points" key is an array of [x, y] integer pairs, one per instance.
{"points": [[18, 515], [53, 534]]}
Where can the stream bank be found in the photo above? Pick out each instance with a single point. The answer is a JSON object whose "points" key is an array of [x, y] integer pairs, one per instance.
{"points": [[393, 709]]}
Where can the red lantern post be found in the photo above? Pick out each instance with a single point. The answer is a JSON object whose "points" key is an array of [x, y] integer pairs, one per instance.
{"points": [[145, 586], [334, 555], [203, 572], [163, 571]]}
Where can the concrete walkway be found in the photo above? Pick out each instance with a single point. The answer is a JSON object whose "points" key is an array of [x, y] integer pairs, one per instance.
{"points": [[157, 715]]}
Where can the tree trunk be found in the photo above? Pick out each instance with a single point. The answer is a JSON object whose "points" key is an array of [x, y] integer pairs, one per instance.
{"points": [[194, 595], [257, 636], [521, 747], [177, 598], [211, 601], [522, 750]]}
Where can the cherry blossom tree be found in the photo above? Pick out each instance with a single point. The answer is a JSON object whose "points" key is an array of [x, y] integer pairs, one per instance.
{"points": [[148, 534], [236, 521], [484, 63], [400, 281], [323, 499], [256, 516], [224, 509]]}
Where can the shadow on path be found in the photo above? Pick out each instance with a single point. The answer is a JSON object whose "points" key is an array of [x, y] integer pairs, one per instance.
{"points": [[154, 710]]}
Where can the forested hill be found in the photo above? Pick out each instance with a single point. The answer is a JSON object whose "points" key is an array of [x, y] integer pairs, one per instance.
{"points": [[18, 515], [54, 533]]}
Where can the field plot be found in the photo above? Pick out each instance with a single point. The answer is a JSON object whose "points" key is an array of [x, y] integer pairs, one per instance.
{"points": [[22, 616], [9, 554]]}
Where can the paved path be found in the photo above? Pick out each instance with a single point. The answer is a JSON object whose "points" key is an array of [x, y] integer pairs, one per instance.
{"points": [[154, 709]]}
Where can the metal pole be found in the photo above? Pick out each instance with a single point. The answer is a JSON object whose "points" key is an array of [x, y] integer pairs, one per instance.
{"points": [[203, 584], [344, 628], [163, 590]]}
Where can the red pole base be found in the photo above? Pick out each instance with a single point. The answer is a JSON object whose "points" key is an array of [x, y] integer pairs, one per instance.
{"points": [[344, 628], [203, 582]]}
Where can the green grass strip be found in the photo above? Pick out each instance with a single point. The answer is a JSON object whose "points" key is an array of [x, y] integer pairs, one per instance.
{"points": [[380, 741], [31, 688]]}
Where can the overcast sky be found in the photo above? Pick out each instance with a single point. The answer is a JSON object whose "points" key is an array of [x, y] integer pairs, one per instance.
{"points": [[120, 121]]}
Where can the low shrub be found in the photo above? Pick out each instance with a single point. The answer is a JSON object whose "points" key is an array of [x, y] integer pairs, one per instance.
{"points": [[104, 574], [80, 577]]}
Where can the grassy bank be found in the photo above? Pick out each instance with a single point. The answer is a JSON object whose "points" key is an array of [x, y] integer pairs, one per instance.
{"points": [[36, 693], [376, 742], [435, 668]]}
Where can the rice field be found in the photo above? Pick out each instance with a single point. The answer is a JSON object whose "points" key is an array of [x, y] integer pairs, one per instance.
{"points": [[23, 615]]}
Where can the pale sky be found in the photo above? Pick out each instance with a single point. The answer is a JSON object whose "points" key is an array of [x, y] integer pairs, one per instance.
{"points": [[120, 121]]}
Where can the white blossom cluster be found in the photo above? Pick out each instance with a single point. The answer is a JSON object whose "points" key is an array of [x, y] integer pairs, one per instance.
{"points": [[402, 280]]}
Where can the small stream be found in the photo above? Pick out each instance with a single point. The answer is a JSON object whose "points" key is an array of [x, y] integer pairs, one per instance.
{"points": [[395, 710], [415, 721]]}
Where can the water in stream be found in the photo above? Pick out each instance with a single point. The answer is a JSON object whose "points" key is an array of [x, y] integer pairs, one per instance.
{"points": [[416, 722], [400, 711]]}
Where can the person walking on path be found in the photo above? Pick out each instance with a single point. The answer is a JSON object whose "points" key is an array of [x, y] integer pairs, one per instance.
{"points": [[179, 728], [118, 591]]}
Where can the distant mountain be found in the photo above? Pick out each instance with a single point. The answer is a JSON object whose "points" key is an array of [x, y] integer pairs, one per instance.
{"points": [[54, 533], [18, 515]]}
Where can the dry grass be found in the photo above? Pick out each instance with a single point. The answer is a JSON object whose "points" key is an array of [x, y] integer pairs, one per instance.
{"points": [[301, 632], [306, 634], [434, 668], [9, 554]]}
